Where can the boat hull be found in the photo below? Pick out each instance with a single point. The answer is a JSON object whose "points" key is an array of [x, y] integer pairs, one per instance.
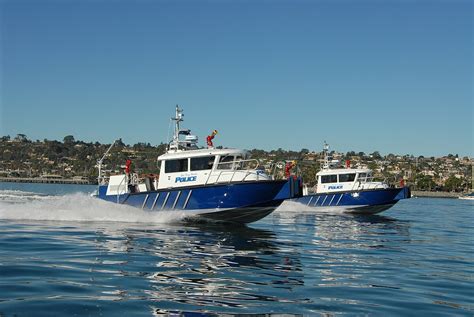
{"points": [[467, 197], [241, 202], [362, 202]]}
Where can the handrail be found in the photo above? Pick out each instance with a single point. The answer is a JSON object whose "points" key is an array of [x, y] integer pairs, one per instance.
{"points": [[233, 170], [276, 165], [236, 161]]}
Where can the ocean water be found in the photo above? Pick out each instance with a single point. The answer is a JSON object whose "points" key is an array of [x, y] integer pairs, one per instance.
{"points": [[63, 252]]}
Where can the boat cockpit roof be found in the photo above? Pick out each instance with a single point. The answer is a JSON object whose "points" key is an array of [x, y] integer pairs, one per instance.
{"points": [[201, 152]]}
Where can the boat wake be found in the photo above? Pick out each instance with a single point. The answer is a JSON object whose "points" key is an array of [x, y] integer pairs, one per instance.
{"points": [[19, 205], [294, 207], [16, 196], [290, 207]]}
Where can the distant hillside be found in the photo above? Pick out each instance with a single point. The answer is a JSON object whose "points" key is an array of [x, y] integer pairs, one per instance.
{"points": [[21, 157]]}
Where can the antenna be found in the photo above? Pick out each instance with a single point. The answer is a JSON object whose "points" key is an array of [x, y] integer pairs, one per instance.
{"points": [[174, 144], [326, 155], [189, 141]]}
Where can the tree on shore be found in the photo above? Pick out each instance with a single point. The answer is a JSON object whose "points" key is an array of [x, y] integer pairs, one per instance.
{"points": [[68, 139], [425, 182], [453, 183]]}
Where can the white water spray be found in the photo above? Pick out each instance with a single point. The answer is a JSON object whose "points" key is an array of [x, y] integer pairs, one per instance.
{"points": [[19, 205]]}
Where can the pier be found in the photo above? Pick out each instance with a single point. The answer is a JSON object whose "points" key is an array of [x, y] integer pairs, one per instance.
{"points": [[79, 181], [417, 193]]}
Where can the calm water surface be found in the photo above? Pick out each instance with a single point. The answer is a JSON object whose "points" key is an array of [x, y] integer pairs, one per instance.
{"points": [[64, 253]]}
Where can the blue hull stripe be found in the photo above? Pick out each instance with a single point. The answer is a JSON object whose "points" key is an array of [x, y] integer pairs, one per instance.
{"points": [[144, 202], [151, 201], [330, 202], [160, 201], [325, 197], [316, 203], [182, 199], [154, 202], [171, 199], [165, 200], [176, 200], [187, 199]]}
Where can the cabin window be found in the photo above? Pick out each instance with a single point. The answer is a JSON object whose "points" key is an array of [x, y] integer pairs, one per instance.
{"points": [[174, 166], [362, 176], [344, 178], [329, 179], [202, 163], [225, 162]]}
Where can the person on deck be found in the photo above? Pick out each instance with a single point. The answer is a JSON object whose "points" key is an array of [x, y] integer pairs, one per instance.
{"points": [[288, 167], [209, 139], [128, 163]]}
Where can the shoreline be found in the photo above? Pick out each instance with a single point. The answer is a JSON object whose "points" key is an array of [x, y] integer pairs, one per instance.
{"points": [[35, 180], [419, 193]]}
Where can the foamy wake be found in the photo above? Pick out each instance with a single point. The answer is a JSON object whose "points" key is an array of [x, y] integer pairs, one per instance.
{"points": [[18, 205], [294, 207], [290, 206], [15, 196]]}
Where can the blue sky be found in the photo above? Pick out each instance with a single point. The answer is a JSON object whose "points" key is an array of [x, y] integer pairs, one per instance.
{"points": [[392, 76]]}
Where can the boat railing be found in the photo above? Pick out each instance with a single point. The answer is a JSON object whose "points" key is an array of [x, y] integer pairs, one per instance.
{"points": [[393, 181], [372, 183], [248, 167], [277, 170]]}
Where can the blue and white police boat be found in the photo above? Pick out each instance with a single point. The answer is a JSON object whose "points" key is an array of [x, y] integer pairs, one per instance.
{"points": [[221, 185], [350, 190]]}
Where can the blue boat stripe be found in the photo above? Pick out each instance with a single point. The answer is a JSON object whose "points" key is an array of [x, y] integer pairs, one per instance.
{"points": [[166, 200], [317, 201], [176, 200], [325, 196], [187, 199], [339, 199], [310, 199], [154, 202], [332, 199], [144, 202]]}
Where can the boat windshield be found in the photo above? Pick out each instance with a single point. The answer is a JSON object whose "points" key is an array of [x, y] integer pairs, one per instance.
{"points": [[344, 178], [329, 179], [174, 166], [229, 162], [202, 163]]}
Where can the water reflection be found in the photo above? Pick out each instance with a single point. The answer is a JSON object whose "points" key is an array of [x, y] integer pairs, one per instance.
{"points": [[350, 251], [335, 227], [293, 259], [289, 262], [204, 265]]}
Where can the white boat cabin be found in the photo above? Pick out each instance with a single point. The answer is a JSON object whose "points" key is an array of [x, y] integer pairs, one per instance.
{"points": [[207, 166], [346, 179]]}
